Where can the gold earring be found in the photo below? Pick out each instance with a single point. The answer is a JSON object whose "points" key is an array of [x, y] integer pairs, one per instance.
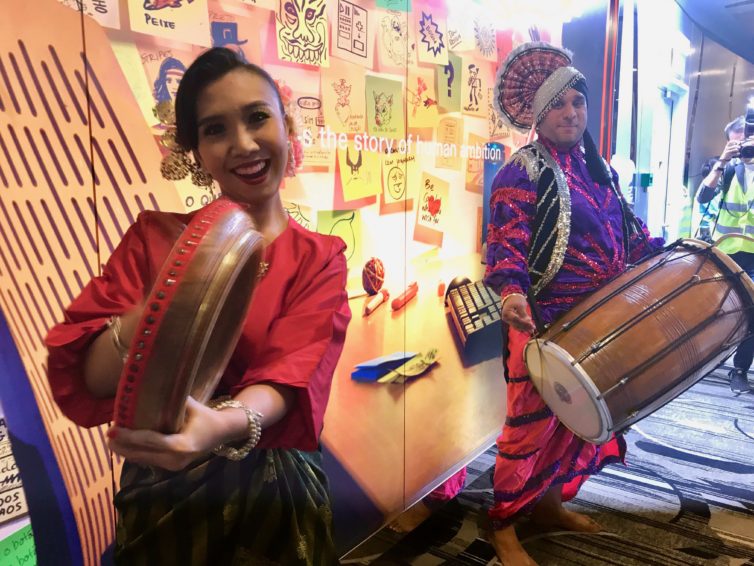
{"points": [[200, 177], [175, 166]]}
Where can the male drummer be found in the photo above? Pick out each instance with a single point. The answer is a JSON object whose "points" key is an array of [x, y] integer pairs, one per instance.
{"points": [[732, 177], [559, 229]]}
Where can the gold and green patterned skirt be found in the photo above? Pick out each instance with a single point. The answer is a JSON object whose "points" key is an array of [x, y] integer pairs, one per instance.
{"points": [[271, 508]]}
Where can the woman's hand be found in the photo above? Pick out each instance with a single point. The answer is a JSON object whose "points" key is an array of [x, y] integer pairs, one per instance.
{"points": [[516, 314], [204, 429]]}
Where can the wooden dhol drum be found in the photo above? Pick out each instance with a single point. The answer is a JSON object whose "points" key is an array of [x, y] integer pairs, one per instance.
{"points": [[192, 319], [642, 339]]}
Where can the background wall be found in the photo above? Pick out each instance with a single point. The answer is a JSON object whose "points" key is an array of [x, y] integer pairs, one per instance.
{"points": [[80, 155]]}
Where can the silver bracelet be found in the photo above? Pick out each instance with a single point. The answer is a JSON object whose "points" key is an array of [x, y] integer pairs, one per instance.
{"points": [[254, 419], [115, 327]]}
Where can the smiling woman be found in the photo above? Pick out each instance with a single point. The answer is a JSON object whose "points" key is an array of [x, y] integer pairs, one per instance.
{"points": [[192, 497]]}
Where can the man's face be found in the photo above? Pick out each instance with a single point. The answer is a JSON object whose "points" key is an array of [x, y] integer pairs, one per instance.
{"points": [[565, 123], [736, 135]]}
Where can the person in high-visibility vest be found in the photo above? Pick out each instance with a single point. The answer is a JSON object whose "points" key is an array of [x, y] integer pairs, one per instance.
{"points": [[733, 178], [709, 210]]}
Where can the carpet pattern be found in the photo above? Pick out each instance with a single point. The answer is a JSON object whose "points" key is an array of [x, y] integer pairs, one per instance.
{"points": [[684, 497]]}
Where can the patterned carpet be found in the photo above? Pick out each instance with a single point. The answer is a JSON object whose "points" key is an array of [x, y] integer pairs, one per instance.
{"points": [[686, 496]]}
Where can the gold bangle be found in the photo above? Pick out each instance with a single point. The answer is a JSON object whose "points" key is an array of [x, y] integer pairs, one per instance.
{"points": [[115, 327], [502, 304], [254, 419]]}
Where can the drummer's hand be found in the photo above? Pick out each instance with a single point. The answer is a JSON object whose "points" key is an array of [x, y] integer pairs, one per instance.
{"points": [[203, 430], [515, 313]]}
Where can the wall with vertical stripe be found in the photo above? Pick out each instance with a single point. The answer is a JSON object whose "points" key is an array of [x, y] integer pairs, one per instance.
{"points": [[70, 185]]}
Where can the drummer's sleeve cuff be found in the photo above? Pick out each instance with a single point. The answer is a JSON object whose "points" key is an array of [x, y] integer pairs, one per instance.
{"points": [[510, 290]]}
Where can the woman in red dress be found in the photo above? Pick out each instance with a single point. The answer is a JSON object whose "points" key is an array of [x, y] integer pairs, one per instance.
{"points": [[179, 503]]}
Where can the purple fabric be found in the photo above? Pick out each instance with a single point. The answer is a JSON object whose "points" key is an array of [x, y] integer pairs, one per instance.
{"points": [[595, 250]]}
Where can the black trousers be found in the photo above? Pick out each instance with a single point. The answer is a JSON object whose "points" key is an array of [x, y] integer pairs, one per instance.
{"points": [[745, 351]]}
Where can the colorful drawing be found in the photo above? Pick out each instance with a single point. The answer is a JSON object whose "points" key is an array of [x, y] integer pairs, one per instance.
{"points": [[484, 38], [359, 172], [347, 226], [475, 89], [400, 177], [385, 108], [417, 98], [421, 98], [317, 154], [160, 4], [460, 36], [396, 183], [431, 32], [169, 77], [302, 214], [496, 127], [449, 139], [343, 105], [343, 100], [432, 211], [449, 84], [225, 34], [431, 35], [354, 166], [179, 20], [396, 43], [302, 32], [401, 5], [106, 12], [354, 36]]}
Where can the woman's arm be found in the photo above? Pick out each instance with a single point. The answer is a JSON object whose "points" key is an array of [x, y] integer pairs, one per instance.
{"points": [[204, 429], [289, 383], [103, 362]]}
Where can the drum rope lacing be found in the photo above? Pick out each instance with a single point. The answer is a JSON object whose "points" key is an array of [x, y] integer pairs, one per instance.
{"points": [[695, 279]]}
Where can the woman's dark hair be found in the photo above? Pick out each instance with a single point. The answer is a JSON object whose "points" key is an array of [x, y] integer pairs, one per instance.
{"points": [[210, 66], [161, 93], [596, 166]]}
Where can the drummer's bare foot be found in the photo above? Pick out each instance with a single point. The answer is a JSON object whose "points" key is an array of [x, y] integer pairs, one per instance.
{"points": [[508, 548], [411, 518], [569, 521], [549, 512]]}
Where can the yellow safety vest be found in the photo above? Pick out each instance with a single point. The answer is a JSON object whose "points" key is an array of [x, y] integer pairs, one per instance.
{"points": [[686, 222], [736, 217]]}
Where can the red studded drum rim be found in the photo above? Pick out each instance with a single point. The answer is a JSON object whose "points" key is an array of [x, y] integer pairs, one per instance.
{"points": [[217, 247]]}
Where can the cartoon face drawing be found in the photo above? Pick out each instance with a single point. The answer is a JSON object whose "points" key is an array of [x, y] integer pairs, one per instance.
{"points": [[303, 31], [355, 166], [383, 109], [168, 79], [485, 38], [396, 182]]}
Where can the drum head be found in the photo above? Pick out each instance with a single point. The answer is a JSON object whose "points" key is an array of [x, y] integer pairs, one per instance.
{"points": [[568, 391], [192, 319]]}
